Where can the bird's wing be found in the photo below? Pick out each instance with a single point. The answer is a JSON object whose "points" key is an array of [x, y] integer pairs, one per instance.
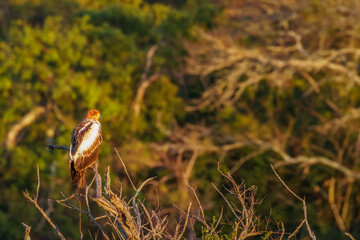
{"points": [[85, 143], [78, 134]]}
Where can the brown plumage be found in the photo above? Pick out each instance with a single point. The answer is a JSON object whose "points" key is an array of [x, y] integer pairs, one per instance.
{"points": [[84, 147]]}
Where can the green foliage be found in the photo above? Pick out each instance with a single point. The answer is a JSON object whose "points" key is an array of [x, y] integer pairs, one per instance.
{"points": [[73, 55], [70, 56], [212, 233], [266, 236]]}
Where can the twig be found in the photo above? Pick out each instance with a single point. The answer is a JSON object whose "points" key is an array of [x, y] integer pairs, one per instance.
{"points": [[90, 234], [312, 235], [148, 216], [221, 213], [81, 234], [34, 201], [282, 231], [65, 199], [334, 209], [192, 216], [68, 204], [136, 208], [297, 229], [38, 184], [347, 199], [202, 220], [119, 210], [87, 192], [27, 231], [222, 195], [350, 236], [247, 157], [185, 223], [55, 147], [127, 174]]}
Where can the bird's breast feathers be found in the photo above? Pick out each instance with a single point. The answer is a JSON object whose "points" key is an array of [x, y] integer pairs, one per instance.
{"points": [[90, 135]]}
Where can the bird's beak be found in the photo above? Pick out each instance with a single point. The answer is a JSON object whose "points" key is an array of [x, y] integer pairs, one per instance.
{"points": [[100, 117]]}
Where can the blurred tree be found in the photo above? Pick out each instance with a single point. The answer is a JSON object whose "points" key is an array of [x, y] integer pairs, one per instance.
{"points": [[59, 59], [185, 86]]}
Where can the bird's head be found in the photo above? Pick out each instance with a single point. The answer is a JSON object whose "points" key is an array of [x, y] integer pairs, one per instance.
{"points": [[93, 114]]}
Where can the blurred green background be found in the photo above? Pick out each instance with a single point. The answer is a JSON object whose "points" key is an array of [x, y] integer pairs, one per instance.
{"points": [[185, 86]]}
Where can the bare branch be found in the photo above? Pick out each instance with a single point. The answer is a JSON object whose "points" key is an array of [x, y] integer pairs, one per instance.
{"points": [[27, 232], [148, 63], [202, 219], [241, 68], [264, 146], [38, 184], [28, 119], [311, 233], [141, 92], [319, 160], [119, 210], [145, 81], [333, 206], [178, 237], [125, 169], [34, 201], [55, 146], [136, 208], [350, 236], [66, 203], [227, 201], [190, 166], [297, 229]]}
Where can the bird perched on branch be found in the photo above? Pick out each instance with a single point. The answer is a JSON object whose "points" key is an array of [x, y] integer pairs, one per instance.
{"points": [[84, 149]]}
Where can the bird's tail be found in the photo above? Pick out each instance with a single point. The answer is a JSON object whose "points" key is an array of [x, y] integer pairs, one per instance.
{"points": [[78, 177]]}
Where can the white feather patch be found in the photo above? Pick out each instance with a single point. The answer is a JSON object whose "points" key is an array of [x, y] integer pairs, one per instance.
{"points": [[89, 138]]}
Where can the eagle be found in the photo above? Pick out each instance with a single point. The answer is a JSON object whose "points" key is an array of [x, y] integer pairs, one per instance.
{"points": [[84, 148]]}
